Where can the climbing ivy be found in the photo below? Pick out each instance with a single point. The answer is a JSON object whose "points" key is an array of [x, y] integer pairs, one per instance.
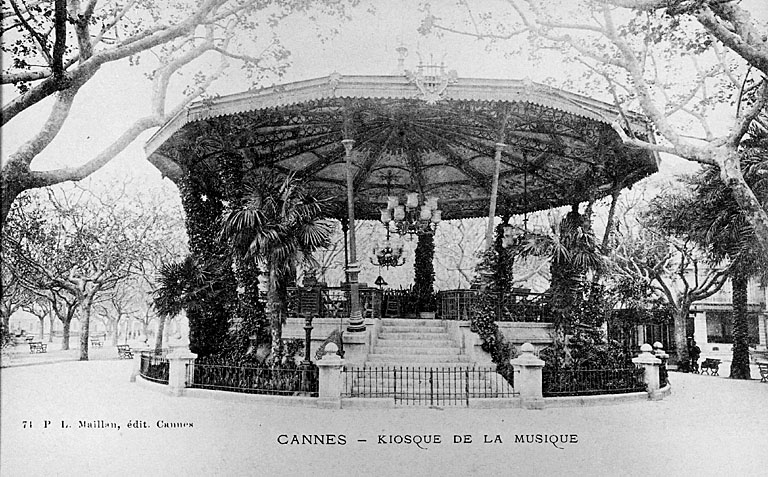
{"points": [[494, 274], [425, 273], [208, 319]]}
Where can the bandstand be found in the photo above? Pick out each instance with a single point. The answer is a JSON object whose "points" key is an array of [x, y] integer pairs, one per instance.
{"points": [[409, 150]]}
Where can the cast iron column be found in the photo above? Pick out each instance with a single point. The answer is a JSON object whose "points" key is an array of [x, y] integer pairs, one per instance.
{"points": [[345, 230], [353, 269]]}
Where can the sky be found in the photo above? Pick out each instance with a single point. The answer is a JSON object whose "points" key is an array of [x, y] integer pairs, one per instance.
{"points": [[365, 44]]}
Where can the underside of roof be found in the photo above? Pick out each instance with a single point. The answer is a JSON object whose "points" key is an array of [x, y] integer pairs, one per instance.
{"points": [[558, 148]]}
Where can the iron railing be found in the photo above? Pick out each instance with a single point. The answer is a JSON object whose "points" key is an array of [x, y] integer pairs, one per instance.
{"points": [[331, 302], [436, 386], [522, 305], [254, 379], [154, 366], [663, 373], [584, 382]]}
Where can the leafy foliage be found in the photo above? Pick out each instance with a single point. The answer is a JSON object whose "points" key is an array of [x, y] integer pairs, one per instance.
{"points": [[586, 348], [574, 253], [492, 279], [278, 225], [424, 295], [209, 319], [710, 216]]}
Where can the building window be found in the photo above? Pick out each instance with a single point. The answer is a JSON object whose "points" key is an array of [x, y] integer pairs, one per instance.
{"points": [[720, 327]]}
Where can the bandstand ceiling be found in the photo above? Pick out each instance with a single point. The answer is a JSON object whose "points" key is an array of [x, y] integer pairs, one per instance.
{"points": [[435, 138]]}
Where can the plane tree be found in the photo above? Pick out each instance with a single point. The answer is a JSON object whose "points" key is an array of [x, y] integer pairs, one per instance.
{"points": [[53, 49], [689, 66]]}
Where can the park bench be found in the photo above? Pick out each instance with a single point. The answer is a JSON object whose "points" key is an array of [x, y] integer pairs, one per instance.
{"points": [[37, 347], [29, 338], [710, 366], [763, 367], [124, 352], [97, 342]]}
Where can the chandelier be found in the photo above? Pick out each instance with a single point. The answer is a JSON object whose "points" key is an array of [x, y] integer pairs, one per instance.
{"points": [[411, 218], [387, 255]]}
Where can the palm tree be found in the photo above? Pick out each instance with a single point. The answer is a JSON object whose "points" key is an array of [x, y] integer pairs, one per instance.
{"points": [[184, 286], [725, 227], [279, 225], [710, 217], [574, 252]]}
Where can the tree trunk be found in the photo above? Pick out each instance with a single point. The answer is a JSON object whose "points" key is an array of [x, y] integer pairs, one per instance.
{"points": [[42, 327], [275, 320], [85, 325], [116, 331], [681, 336], [730, 172], [740, 363], [145, 330], [52, 322], [65, 334], [159, 337]]}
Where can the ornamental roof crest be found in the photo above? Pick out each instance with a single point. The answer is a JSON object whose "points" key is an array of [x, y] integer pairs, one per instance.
{"points": [[432, 80]]}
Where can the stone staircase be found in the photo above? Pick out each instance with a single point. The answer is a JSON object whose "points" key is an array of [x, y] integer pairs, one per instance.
{"points": [[415, 343], [417, 362]]}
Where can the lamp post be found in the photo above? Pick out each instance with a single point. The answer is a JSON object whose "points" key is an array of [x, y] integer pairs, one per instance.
{"points": [[307, 340]]}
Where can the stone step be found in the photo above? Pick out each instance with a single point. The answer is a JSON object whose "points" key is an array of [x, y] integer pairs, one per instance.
{"points": [[417, 343], [435, 359], [425, 396], [422, 364], [410, 322], [413, 329], [400, 350], [412, 336]]}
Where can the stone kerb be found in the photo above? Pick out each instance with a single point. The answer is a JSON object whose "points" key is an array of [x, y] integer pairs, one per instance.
{"points": [[329, 378], [651, 366], [177, 370], [529, 382]]}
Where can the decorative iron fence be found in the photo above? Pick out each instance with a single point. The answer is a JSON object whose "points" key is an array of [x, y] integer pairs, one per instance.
{"points": [[435, 386], [254, 379], [663, 373], [331, 302], [584, 382], [154, 366], [518, 306]]}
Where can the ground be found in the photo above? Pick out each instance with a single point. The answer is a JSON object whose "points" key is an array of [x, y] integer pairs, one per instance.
{"points": [[708, 426]]}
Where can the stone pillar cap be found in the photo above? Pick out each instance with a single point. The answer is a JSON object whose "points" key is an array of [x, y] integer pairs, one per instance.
{"points": [[527, 358], [330, 357]]}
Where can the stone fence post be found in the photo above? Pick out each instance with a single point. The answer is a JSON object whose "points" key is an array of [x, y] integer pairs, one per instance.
{"points": [[651, 365], [329, 378], [177, 370], [528, 382]]}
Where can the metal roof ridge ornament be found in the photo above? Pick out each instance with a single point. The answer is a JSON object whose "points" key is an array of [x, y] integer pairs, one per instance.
{"points": [[432, 80], [333, 80]]}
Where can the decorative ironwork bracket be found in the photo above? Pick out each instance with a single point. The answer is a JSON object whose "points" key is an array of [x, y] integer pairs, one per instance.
{"points": [[432, 87]]}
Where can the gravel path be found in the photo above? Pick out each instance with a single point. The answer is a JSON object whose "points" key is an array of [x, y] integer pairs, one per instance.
{"points": [[708, 426]]}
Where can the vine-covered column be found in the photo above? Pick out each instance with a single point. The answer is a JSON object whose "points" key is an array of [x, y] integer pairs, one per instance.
{"points": [[424, 273], [208, 321], [249, 313]]}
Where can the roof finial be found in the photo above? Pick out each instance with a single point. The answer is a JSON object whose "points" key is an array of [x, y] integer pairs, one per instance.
{"points": [[402, 53]]}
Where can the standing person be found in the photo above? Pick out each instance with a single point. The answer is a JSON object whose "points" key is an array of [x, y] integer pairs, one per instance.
{"points": [[694, 353]]}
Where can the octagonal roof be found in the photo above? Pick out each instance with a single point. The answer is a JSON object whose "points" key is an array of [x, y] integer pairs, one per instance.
{"points": [[435, 135]]}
